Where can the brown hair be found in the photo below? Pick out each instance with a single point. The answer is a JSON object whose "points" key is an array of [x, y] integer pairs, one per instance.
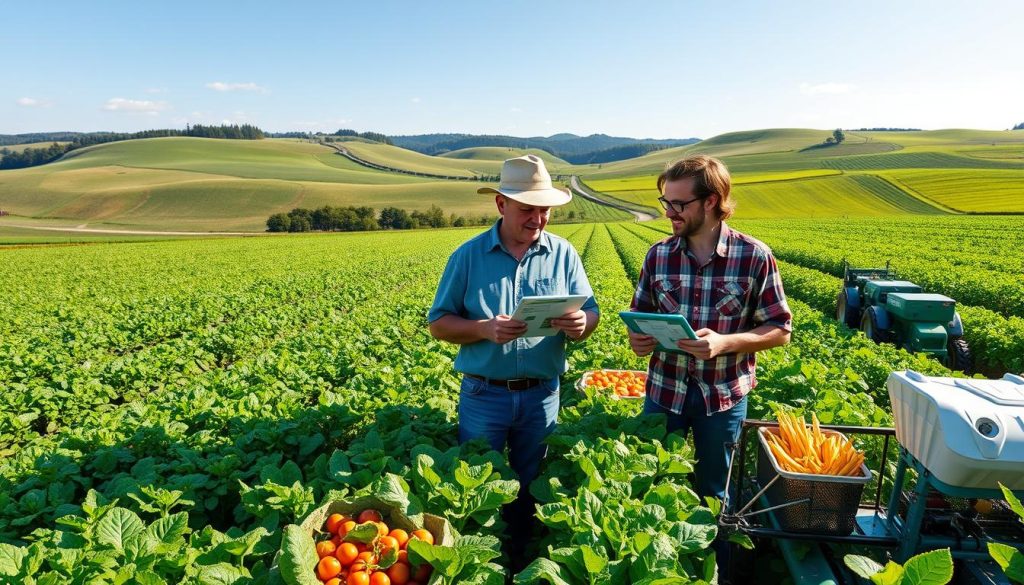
{"points": [[711, 178]]}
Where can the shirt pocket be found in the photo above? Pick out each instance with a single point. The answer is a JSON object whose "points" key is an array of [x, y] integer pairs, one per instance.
{"points": [[547, 286], [668, 294], [730, 296]]}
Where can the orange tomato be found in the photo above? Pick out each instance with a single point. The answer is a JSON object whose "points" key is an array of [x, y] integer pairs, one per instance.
{"points": [[345, 527], [380, 578], [333, 522], [400, 535], [325, 548], [358, 578], [334, 581], [367, 557], [423, 535], [403, 556], [386, 543], [369, 515], [399, 573], [382, 529], [328, 568], [347, 553]]}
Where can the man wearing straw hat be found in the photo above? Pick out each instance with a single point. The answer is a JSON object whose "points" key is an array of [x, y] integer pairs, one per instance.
{"points": [[510, 383]]}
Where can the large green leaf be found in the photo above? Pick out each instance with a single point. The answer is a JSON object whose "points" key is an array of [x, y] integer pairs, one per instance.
{"points": [[1011, 499], [118, 527], [225, 574], [892, 574], [863, 566], [298, 557], [543, 570], [11, 559], [1009, 559], [930, 568]]}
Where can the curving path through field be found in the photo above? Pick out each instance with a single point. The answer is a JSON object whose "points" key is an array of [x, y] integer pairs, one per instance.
{"points": [[578, 189]]}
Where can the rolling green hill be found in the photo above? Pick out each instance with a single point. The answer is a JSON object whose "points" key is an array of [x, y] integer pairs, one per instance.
{"points": [[196, 184], [500, 153]]}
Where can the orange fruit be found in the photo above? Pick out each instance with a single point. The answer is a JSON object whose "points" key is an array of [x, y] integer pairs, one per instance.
{"points": [[380, 578], [328, 568], [369, 515], [347, 553], [325, 548], [423, 535], [358, 578], [399, 573], [399, 535]]}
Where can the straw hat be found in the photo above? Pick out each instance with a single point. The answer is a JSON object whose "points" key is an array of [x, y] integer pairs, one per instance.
{"points": [[527, 181]]}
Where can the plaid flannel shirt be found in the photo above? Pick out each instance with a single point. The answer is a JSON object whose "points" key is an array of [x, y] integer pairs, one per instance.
{"points": [[737, 290]]}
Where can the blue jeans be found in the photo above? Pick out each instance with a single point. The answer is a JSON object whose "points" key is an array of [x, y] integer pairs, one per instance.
{"points": [[710, 435], [521, 420]]}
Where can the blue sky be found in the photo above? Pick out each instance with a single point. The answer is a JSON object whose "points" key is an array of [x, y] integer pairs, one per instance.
{"points": [[645, 69]]}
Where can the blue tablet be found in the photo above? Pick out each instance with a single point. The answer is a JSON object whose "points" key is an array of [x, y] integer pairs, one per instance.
{"points": [[666, 328]]}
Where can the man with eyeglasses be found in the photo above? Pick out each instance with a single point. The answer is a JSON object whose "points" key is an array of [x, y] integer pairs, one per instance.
{"points": [[727, 285]]}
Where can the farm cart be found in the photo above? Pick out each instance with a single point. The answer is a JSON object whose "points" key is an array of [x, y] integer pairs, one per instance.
{"points": [[957, 440], [899, 312]]}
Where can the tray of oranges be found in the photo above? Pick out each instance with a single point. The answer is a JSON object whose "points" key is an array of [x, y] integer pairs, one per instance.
{"points": [[620, 383]]}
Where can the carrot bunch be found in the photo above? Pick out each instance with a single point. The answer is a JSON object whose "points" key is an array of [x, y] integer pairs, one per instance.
{"points": [[802, 449]]}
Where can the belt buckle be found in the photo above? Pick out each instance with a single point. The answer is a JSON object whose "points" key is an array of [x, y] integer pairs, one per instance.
{"points": [[517, 384]]}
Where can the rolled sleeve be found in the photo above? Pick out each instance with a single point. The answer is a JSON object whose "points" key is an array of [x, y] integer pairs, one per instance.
{"points": [[772, 308], [451, 290], [643, 298]]}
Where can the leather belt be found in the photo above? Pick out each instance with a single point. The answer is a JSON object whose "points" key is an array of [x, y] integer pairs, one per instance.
{"points": [[513, 385]]}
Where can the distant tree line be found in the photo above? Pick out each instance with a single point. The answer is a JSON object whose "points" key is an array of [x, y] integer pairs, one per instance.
{"points": [[886, 130], [374, 136], [358, 219], [31, 157]]}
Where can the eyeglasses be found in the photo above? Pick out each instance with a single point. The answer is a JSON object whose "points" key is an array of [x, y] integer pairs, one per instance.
{"points": [[676, 206]]}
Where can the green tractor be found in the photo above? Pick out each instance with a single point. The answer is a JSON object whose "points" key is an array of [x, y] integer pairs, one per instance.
{"points": [[895, 311]]}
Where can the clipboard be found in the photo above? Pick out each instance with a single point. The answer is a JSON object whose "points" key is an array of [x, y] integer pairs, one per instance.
{"points": [[538, 311], [667, 328]]}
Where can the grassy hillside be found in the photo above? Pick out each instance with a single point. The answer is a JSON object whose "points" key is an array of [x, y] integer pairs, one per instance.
{"points": [[500, 153], [195, 184], [882, 172]]}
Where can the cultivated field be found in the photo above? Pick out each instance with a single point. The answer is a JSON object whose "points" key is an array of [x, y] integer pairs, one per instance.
{"points": [[219, 389]]}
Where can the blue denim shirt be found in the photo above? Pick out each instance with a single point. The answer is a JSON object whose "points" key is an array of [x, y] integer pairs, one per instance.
{"points": [[483, 280]]}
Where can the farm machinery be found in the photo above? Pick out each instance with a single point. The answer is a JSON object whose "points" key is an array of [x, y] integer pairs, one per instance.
{"points": [[956, 441], [895, 311]]}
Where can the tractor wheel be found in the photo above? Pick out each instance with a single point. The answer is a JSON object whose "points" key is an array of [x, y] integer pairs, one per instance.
{"points": [[844, 314], [958, 355], [871, 329]]}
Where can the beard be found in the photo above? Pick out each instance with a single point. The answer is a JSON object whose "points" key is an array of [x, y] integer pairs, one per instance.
{"points": [[688, 228]]}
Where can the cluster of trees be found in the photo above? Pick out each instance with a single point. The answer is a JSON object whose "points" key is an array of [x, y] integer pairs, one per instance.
{"points": [[374, 136], [837, 137], [31, 157], [357, 219]]}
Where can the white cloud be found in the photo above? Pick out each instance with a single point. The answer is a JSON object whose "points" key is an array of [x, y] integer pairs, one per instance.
{"points": [[826, 88], [135, 106], [33, 103], [221, 86]]}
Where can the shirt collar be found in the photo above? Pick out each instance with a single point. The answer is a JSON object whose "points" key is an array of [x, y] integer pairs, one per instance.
{"points": [[722, 249], [543, 243]]}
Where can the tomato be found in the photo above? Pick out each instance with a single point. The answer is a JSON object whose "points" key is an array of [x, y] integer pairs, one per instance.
{"points": [[403, 556], [333, 522], [387, 543], [399, 573], [358, 578], [423, 573], [423, 535], [358, 566], [367, 557], [334, 581], [347, 553], [380, 578], [328, 568], [399, 535], [345, 527], [382, 529], [369, 515], [325, 548]]}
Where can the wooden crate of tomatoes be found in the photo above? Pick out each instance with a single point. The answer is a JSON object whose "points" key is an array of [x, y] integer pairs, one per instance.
{"points": [[364, 543], [620, 383]]}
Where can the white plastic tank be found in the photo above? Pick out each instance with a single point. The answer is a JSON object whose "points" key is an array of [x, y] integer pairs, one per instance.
{"points": [[968, 433]]}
